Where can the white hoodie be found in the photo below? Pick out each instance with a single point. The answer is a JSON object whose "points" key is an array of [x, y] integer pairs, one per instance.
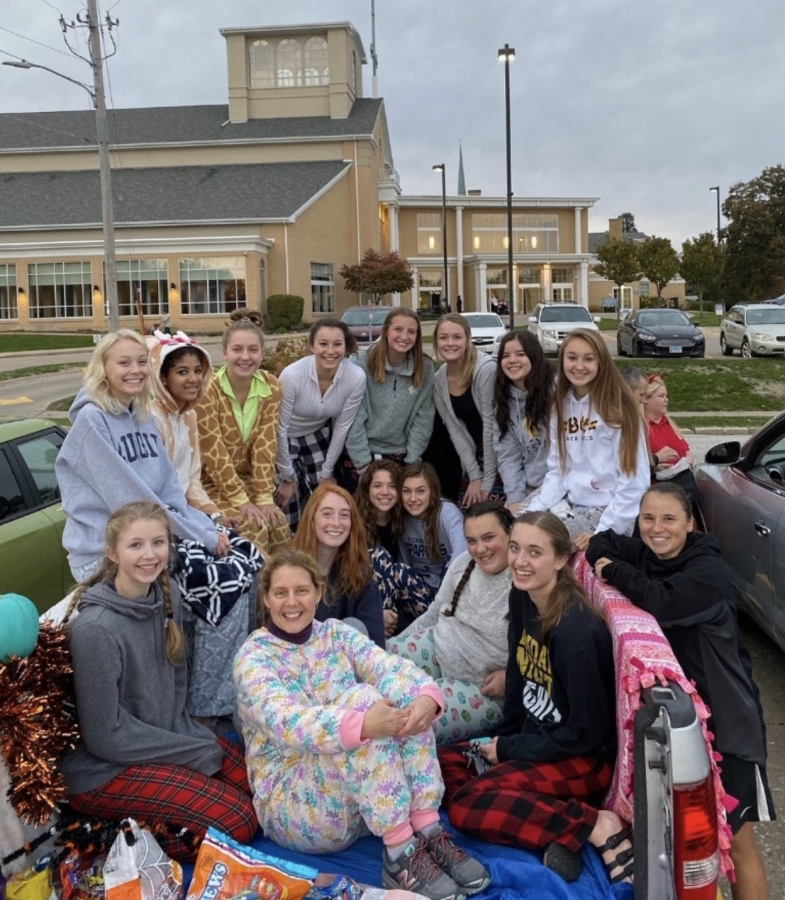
{"points": [[592, 475]]}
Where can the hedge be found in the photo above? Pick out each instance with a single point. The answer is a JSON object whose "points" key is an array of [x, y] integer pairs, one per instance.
{"points": [[285, 311]]}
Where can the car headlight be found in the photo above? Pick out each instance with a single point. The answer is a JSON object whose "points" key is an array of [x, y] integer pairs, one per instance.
{"points": [[548, 332], [759, 336], [643, 336]]}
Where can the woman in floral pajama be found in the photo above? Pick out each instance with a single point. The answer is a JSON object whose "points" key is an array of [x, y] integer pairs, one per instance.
{"points": [[339, 741]]}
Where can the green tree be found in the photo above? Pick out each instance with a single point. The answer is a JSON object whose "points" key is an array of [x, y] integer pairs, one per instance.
{"points": [[659, 262], [755, 237], [378, 274], [618, 262], [701, 263], [628, 223]]}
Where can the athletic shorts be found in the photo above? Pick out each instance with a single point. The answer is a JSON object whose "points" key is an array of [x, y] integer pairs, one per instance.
{"points": [[747, 782]]}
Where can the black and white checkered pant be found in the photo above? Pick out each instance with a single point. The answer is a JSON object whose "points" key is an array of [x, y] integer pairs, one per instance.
{"points": [[308, 454]]}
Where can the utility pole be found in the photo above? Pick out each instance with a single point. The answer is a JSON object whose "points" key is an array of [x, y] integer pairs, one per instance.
{"points": [[374, 57], [102, 133]]}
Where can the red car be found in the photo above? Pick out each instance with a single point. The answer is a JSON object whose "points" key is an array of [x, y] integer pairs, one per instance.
{"points": [[365, 322]]}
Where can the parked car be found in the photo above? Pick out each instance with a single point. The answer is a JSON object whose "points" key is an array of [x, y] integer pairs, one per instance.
{"points": [[777, 301], [365, 322], [32, 559], [659, 332], [755, 329], [550, 323], [742, 501], [486, 328]]}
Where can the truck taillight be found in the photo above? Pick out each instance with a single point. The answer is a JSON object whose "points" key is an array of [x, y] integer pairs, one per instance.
{"points": [[696, 847]]}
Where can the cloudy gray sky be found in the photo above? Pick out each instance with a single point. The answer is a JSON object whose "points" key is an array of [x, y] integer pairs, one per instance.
{"points": [[642, 104]]}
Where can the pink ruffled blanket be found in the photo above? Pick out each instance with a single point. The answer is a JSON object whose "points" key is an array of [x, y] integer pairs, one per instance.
{"points": [[643, 657]]}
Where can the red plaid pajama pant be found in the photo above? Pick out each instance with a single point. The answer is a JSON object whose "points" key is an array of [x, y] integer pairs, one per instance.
{"points": [[163, 794], [523, 804]]}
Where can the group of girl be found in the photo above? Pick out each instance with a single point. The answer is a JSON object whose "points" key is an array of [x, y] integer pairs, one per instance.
{"points": [[509, 647]]}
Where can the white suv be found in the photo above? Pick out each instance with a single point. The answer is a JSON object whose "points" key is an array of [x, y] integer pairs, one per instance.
{"points": [[550, 323], [755, 329]]}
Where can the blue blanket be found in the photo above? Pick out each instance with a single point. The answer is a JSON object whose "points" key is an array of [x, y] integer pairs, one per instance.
{"points": [[515, 874]]}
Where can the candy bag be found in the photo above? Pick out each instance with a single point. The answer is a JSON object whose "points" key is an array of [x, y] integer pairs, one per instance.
{"points": [[225, 869], [140, 870], [81, 878], [31, 884]]}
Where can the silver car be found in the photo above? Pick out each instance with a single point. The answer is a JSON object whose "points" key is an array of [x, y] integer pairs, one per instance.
{"points": [[550, 323], [742, 500], [756, 329]]}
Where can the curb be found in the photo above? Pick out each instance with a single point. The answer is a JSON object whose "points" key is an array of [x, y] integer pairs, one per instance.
{"points": [[726, 429]]}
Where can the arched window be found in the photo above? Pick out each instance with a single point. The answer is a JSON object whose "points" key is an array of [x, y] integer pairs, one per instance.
{"points": [[261, 71], [289, 59], [317, 69]]}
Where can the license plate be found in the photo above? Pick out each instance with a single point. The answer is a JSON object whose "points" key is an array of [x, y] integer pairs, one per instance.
{"points": [[675, 349]]}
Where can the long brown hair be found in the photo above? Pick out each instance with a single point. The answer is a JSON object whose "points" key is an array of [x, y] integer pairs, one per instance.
{"points": [[431, 517], [538, 385], [349, 340], [377, 355], [363, 499], [608, 395], [483, 508], [567, 590], [466, 372], [121, 519], [351, 560]]}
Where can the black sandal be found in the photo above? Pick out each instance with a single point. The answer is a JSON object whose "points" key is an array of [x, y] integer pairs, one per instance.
{"points": [[563, 862], [623, 860]]}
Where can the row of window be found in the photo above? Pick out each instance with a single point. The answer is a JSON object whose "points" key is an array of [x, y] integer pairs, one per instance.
{"points": [[289, 63], [531, 233]]}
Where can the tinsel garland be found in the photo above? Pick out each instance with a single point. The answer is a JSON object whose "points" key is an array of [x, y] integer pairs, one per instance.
{"points": [[38, 724]]}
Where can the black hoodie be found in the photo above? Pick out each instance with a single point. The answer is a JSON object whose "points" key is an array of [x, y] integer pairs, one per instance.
{"points": [[692, 599], [559, 698], [130, 700]]}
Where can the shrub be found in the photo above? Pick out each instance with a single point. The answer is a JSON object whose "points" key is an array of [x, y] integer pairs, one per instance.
{"points": [[285, 310], [287, 351]]}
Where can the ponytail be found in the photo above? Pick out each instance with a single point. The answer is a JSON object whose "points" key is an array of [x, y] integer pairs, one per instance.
{"points": [[175, 641], [459, 588]]}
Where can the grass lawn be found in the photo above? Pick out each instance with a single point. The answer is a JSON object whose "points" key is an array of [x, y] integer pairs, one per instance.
{"points": [[713, 385], [38, 370], [19, 343]]}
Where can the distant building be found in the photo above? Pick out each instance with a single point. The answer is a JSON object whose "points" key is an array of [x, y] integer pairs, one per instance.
{"points": [[601, 290]]}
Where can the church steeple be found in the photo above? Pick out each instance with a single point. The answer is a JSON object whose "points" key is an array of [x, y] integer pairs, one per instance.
{"points": [[461, 177]]}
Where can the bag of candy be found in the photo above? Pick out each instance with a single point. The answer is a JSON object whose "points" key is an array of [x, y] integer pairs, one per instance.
{"points": [[136, 868], [225, 869]]}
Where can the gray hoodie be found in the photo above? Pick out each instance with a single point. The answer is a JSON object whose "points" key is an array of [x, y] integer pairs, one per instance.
{"points": [[107, 460], [130, 700], [522, 457]]}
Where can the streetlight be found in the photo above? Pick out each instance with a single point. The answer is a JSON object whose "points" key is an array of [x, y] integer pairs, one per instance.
{"points": [[102, 132], [716, 190], [506, 55], [440, 167]]}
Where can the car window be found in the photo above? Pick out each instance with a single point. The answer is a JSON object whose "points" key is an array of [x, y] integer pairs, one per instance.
{"points": [[11, 501], [565, 314], [768, 316], [39, 454], [669, 317], [484, 321], [768, 462]]}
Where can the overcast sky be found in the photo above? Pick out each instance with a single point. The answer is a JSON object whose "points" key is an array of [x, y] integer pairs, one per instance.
{"points": [[644, 105]]}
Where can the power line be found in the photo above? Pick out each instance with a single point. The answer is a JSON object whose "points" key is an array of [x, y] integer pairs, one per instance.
{"points": [[32, 41], [79, 137]]}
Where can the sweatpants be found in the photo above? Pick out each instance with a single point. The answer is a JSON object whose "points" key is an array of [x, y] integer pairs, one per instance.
{"points": [[523, 804], [163, 795], [467, 713]]}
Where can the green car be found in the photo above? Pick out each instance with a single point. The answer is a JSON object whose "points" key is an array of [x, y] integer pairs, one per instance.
{"points": [[32, 559]]}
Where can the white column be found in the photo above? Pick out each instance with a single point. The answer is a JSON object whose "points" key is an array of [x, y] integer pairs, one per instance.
{"points": [[482, 294], [583, 289], [578, 230], [415, 289], [512, 289], [459, 250], [392, 213], [547, 282]]}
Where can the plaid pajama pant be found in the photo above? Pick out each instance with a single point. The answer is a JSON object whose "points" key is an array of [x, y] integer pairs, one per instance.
{"points": [[523, 804], [307, 454], [163, 794]]}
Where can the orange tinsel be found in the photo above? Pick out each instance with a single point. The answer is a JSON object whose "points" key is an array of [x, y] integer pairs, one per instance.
{"points": [[37, 724]]}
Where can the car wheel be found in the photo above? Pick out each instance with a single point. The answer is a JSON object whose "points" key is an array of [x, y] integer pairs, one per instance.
{"points": [[635, 348], [619, 351], [726, 350], [746, 350]]}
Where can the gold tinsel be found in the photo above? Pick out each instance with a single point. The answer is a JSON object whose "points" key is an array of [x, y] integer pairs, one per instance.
{"points": [[38, 724]]}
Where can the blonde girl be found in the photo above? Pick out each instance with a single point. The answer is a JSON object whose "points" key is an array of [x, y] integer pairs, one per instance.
{"points": [[140, 753], [114, 454], [238, 426], [598, 461], [463, 396], [395, 419]]}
